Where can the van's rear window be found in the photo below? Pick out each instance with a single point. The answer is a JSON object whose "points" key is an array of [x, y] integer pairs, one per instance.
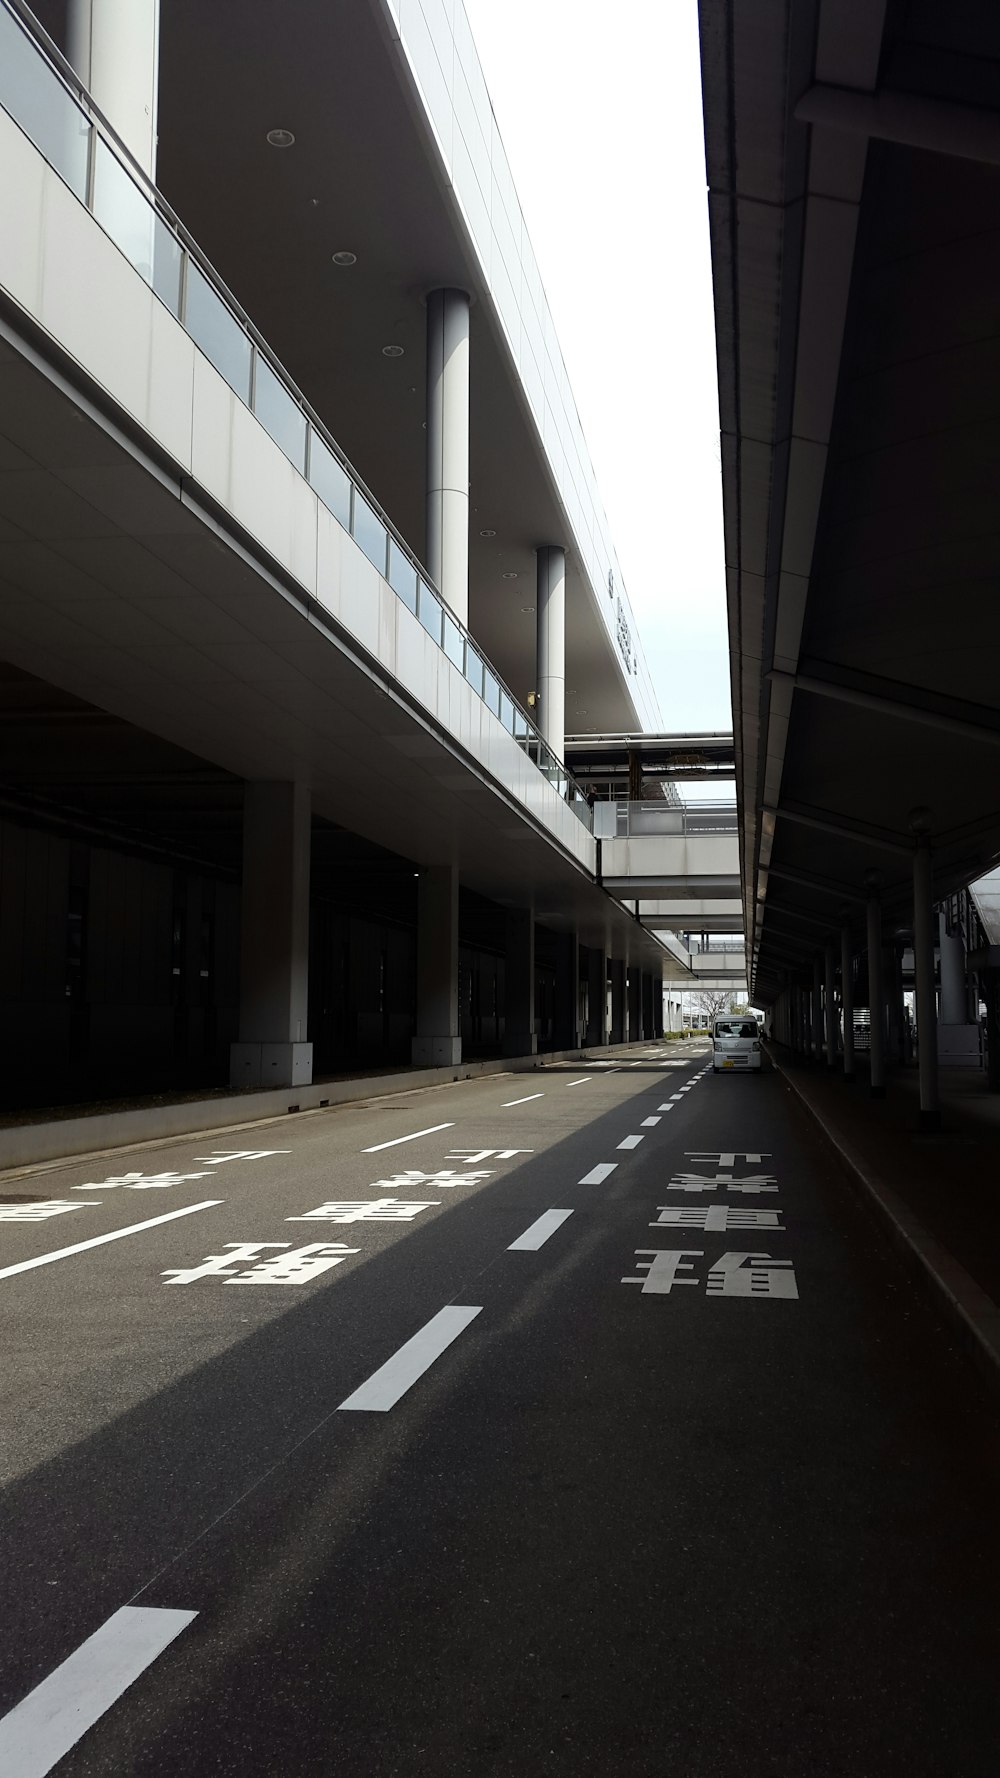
{"points": [[735, 1028]]}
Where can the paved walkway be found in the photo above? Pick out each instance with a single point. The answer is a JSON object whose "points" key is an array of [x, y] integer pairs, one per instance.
{"points": [[949, 1180]]}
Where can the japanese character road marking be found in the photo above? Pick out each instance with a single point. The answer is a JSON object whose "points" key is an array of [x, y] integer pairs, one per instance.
{"points": [[299, 1266], [445, 1179], [661, 1269], [729, 1158], [139, 1182], [742, 1274], [472, 1157], [41, 1212], [702, 1182], [715, 1217], [356, 1210]]}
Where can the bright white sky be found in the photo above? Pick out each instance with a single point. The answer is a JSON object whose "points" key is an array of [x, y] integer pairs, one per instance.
{"points": [[599, 107]]}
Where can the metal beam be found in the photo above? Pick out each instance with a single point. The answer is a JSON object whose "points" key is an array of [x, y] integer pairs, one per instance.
{"points": [[969, 132], [840, 826], [887, 701], [809, 880]]}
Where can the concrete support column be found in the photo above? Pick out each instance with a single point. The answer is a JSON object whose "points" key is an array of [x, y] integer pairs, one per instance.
{"points": [[618, 1009], [274, 939], [830, 1005], [924, 935], [657, 1003], [114, 46], [847, 998], [567, 1007], [519, 1037], [448, 446], [817, 1007], [597, 997], [954, 993], [634, 1030], [876, 989], [550, 677], [438, 1039]]}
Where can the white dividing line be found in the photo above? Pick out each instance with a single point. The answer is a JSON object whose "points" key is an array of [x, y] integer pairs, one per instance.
{"points": [[581, 1082], [523, 1101], [649, 1123], [599, 1174], [539, 1232], [135, 1228], [674, 1098], [412, 1137], [631, 1141], [399, 1373], [665, 1107], [51, 1719]]}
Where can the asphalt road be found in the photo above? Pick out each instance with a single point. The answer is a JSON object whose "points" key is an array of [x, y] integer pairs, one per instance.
{"points": [[575, 1422]]}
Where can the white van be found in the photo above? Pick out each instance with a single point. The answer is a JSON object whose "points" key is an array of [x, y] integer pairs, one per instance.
{"points": [[735, 1044]]}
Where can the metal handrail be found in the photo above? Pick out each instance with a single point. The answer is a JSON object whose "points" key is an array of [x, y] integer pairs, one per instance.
{"points": [[63, 71]]}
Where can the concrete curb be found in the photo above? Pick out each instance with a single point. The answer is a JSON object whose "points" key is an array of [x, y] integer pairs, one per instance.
{"points": [[974, 1314], [31, 1145]]}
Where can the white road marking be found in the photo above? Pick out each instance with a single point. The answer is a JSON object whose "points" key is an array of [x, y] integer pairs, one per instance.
{"points": [[675, 1098], [649, 1123], [399, 1373], [539, 1232], [524, 1101], [36, 1734], [377, 1147], [581, 1082], [134, 1228], [598, 1174], [665, 1107], [631, 1141]]}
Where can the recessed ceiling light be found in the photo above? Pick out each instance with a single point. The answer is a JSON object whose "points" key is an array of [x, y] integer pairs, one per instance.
{"points": [[344, 257], [510, 575], [583, 712], [280, 138], [527, 608], [392, 351], [487, 533]]}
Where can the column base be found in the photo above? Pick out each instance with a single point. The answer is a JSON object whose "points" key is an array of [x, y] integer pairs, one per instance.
{"points": [[878, 1092], [850, 1076], [930, 1120], [520, 1043], [270, 1064], [436, 1052]]}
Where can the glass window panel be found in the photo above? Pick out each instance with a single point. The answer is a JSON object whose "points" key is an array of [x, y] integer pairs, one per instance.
{"points": [[474, 669], [39, 103], [507, 712], [123, 210], [429, 612], [330, 480], [522, 727], [279, 414], [168, 265], [217, 332], [491, 692], [402, 576], [369, 532], [454, 643]]}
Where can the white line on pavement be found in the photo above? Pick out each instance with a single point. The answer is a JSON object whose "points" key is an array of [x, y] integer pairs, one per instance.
{"points": [[581, 1082], [539, 1232], [599, 1174], [135, 1228], [665, 1107], [399, 1373], [649, 1123], [412, 1137], [631, 1141], [524, 1101], [51, 1719], [674, 1097]]}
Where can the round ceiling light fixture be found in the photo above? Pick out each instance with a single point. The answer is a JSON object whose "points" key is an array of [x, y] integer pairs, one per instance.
{"points": [[344, 257], [509, 575], [487, 533], [280, 138], [527, 608], [392, 351]]}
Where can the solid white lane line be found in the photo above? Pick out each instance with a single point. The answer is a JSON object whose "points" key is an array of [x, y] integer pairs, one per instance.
{"points": [[51, 1719], [631, 1141], [377, 1147], [134, 1228], [524, 1101], [599, 1174], [399, 1373], [539, 1232], [649, 1123], [581, 1082]]}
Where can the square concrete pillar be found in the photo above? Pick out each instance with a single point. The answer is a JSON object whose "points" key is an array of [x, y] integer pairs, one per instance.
{"points": [[567, 1003], [634, 1031], [438, 1040], [274, 939], [520, 1038], [597, 997], [618, 968]]}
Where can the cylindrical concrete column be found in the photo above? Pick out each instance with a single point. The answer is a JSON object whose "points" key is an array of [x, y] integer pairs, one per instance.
{"points": [[550, 677], [114, 45], [597, 997], [438, 1039], [876, 990], [634, 1032], [273, 1047], [519, 1037], [619, 1023], [830, 1005], [924, 934], [817, 1007], [847, 998], [448, 446], [954, 993]]}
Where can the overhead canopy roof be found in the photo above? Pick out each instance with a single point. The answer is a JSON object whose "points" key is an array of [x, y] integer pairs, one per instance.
{"points": [[365, 174], [853, 153]]}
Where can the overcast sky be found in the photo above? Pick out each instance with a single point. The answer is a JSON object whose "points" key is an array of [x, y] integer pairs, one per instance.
{"points": [[599, 107]]}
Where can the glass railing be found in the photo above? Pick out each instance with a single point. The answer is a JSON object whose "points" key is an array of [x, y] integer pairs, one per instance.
{"points": [[619, 819], [41, 93]]}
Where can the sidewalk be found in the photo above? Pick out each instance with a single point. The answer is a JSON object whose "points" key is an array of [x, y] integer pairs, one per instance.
{"points": [[940, 1193]]}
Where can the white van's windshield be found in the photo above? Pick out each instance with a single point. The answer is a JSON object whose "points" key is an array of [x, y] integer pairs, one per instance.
{"points": [[735, 1028]]}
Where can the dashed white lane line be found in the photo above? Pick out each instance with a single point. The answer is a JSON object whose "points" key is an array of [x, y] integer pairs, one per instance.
{"points": [[36, 1734], [649, 1123], [524, 1101], [668, 1107], [581, 1082], [598, 1174], [431, 1130], [134, 1228], [631, 1141], [399, 1373], [539, 1232], [674, 1098]]}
